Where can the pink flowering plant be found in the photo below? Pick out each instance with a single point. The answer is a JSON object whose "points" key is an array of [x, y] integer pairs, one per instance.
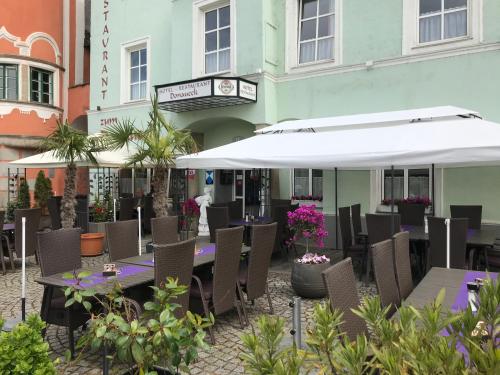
{"points": [[190, 210], [305, 222], [313, 258]]}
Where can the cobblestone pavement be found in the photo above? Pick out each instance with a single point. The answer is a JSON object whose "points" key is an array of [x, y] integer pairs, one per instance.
{"points": [[219, 359]]}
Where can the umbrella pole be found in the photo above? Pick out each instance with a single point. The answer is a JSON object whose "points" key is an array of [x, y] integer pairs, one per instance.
{"points": [[23, 272], [392, 199], [336, 210], [140, 232], [433, 201]]}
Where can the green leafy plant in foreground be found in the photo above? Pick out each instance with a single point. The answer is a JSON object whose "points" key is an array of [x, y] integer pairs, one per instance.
{"points": [[153, 338], [425, 341], [23, 351]]}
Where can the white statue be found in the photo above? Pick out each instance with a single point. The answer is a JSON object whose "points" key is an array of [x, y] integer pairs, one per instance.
{"points": [[203, 201]]}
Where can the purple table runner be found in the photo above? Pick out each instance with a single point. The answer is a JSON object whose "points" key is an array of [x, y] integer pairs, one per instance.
{"points": [[205, 250], [98, 278], [461, 299]]}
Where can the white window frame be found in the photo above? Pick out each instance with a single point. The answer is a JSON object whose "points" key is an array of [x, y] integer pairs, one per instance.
{"points": [[310, 180], [292, 38], [411, 32], [405, 177], [126, 49], [200, 7]]}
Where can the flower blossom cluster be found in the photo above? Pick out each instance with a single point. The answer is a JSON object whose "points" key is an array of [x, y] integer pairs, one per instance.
{"points": [[306, 222], [190, 208], [313, 258], [426, 201]]}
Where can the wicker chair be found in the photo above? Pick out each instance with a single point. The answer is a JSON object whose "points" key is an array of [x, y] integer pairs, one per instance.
{"points": [[164, 230], [385, 276], [253, 279], [235, 209], [126, 209], [148, 213], [340, 283], [175, 260], [32, 216], [54, 206], [350, 249], [473, 213], [82, 213], [458, 243], [403, 264], [279, 215], [59, 251], [122, 239], [4, 270], [218, 218], [412, 214], [219, 294], [356, 223]]}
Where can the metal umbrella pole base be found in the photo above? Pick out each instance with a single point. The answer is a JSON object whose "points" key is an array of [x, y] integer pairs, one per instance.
{"points": [[296, 331]]}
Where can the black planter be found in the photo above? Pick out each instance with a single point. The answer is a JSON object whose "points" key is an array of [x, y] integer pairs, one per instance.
{"points": [[159, 371], [307, 281]]}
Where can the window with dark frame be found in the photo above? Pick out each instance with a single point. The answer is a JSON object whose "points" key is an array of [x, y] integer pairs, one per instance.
{"points": [[442, 19], [41, 86], [408, 183], [8, 82]]}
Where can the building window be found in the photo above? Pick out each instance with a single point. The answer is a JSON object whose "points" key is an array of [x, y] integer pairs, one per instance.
{"points": [[138, 74], [217, 40], [442, 19], [408, 183], [316, 30], [308, 183], [8, 82], [41, 86]]}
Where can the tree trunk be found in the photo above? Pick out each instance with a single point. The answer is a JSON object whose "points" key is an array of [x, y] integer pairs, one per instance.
{"points": [[160, 192], [68, 202]]}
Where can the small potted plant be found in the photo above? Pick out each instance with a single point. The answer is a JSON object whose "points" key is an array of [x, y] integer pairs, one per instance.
{"points": [[93, 242], [191, 212], [308, 224]]}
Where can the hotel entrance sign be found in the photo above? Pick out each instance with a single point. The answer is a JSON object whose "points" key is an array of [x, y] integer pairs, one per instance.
{"points": [[203, 93]]}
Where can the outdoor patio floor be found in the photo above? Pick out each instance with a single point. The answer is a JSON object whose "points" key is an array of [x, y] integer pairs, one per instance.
{"points": [[219, 359]]}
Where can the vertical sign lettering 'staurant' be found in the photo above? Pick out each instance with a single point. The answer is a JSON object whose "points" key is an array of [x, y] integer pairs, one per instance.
{"points": [[105, 44]]}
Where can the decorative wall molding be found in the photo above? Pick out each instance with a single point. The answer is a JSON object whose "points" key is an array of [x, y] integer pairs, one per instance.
{"points": [[43, 112], [4, 34]]}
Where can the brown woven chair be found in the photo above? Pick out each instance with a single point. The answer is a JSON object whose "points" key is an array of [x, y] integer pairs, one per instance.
{"points": [[235, 209], [219, 294], [175, 260], [164, 230], [349, 249], [59, 251], [218, 218], [403, 264], [253, 279], [32, 216], [126, 209], [411, 214], [54, 206], [340, 283], [385, 276], [149, 213], [473, 213], [279, 216], [458, 243], [356, 223], [122, 239]]}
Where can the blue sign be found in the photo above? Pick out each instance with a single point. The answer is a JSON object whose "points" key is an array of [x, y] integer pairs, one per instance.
{"points": [[209, 177]]}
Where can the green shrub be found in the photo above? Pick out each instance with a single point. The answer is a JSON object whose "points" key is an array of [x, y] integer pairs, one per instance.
{"points": [[23, 350], [43, 189], [412, 344], [23, 196], [11, 207]]}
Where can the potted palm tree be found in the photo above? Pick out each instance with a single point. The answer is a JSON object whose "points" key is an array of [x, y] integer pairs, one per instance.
{"points": [[72, 146], [157, 145]]}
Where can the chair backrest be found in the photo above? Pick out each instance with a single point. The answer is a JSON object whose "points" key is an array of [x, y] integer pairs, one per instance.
{"points": [[175, 260], [356, 219], [59, 251], [385, 276], [122, 238], [54, 206], [227, 260], [263, 239], [32, 216], [279, 216], [403, 264], [218, 218], [235, 209], [164, 229], [2, 218], [437, 242], [82, 213], [379, 227], [126, 208], [281, 202], [412, 213], [340, 283], [473, 213], [345, 227], [148, 212]]}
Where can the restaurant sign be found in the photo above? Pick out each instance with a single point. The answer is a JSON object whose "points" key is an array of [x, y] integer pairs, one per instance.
{"points": [[203, 93]]}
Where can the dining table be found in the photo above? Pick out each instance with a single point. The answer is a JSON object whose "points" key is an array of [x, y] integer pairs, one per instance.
{"points": [[9, 227], [248, 224]]}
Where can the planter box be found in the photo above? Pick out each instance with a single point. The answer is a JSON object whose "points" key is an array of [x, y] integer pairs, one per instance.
{"points": [[307, 280], [99, 228], [91, 244]]}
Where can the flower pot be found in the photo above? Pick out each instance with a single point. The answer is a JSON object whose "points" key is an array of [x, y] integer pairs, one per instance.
{"points": [[99, 227], [307, 280], [186, 235], [159, 370], [91, 244]]}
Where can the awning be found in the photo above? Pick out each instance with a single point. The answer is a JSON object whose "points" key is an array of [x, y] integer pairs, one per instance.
{"points": [[454, 141], [204, 93]]}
